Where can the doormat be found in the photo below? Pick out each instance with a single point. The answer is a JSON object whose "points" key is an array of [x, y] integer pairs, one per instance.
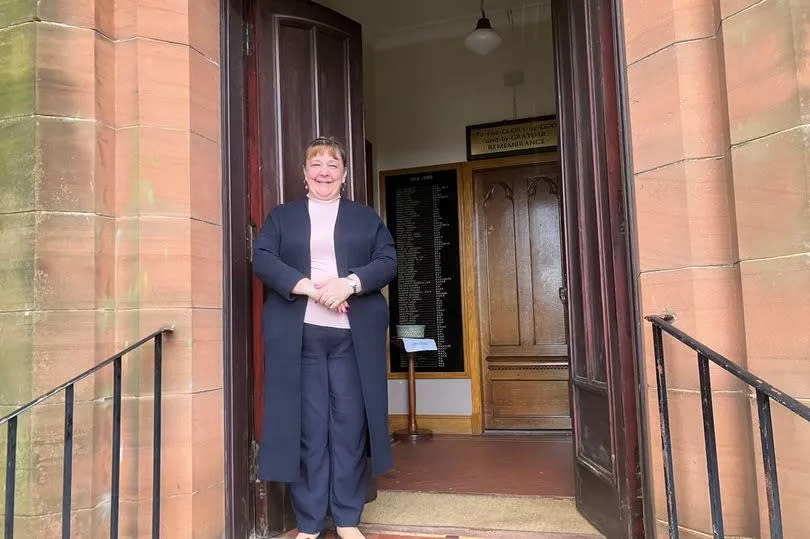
{"points": [[476, 512]]}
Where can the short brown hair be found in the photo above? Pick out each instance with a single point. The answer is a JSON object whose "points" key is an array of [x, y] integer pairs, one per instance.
{"points": [[329, 144]]}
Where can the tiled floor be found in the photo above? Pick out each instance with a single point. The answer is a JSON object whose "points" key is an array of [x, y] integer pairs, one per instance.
{"points": [[332, 535], [512, 535], [523, 465], [526, 465]]}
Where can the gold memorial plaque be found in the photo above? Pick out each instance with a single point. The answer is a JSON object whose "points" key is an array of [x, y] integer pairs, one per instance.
{"points": [[512, 137]]}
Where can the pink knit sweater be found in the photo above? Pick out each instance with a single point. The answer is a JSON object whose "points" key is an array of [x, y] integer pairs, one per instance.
{"points": [[322, 217]]}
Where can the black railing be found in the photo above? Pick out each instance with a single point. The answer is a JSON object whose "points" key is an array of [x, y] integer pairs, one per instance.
{"points": [[765, 392], [67, 470]]}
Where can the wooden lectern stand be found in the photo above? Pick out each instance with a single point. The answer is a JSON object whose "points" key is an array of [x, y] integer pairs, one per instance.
{"points": [[412, 433]]}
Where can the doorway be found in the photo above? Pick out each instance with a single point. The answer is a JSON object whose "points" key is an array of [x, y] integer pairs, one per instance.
{"points": [[521, 293], [291, 36]]}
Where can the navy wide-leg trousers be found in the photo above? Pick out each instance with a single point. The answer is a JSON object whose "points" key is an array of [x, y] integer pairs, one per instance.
{"points": [[333, 432]]}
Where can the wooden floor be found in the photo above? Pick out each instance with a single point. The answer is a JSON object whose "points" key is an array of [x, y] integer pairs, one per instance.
{"points": [[518, 465]]}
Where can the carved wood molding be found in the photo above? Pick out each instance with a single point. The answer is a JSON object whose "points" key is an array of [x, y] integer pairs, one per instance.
{"points": [[507, 191], [550, 181], [528, 367]]}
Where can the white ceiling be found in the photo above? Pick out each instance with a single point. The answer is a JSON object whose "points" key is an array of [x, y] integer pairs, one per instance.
{"points": [[388, 23]]}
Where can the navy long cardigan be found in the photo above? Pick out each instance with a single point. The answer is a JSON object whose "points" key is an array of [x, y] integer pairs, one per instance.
{"points": [[281, 258]]}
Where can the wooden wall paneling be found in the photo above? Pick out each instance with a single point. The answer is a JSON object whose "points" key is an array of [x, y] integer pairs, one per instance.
{"points": [[469, 290], [439, 424]]}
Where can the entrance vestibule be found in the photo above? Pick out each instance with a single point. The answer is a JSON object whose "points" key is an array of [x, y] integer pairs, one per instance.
{"points": [[512, 313], [547, 333]]}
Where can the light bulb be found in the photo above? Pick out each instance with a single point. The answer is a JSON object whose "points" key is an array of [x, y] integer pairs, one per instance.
{"points": [[483, 39]]}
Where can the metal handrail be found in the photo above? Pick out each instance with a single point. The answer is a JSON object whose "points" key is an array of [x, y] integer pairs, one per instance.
{"points": [[764, 391], [67, 472]]}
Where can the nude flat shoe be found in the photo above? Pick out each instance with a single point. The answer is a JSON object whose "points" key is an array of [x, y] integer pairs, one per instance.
{"points": [[350, 533]]}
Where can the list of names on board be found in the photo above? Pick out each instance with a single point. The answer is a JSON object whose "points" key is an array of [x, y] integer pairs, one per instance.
{"points": [[422, 213]]}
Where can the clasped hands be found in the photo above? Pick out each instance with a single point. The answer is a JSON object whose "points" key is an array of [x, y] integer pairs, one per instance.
{"points": [[331, 293]]}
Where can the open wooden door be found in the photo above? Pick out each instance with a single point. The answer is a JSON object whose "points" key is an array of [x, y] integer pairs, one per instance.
{"points": [[597, 262], [304, 79]]}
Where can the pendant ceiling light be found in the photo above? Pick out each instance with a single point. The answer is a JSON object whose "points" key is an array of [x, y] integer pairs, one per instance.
{"points": [[482, 40]]}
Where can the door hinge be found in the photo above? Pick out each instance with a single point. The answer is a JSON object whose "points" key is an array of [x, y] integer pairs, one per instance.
{"points": [[250, 237], [563, 292], [248, 39]]}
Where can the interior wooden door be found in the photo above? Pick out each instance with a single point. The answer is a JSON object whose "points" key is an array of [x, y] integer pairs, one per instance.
{"points": [[524, 345], [304, 80], [603, 381]]}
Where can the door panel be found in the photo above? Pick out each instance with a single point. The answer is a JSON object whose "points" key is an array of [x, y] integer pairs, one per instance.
{"points": [[294, 103], [593, 429], [308, 63], [304, 80], [523, 338], [333, 95], [600, 316], [518, 399], [498, 218], [546, 256]]}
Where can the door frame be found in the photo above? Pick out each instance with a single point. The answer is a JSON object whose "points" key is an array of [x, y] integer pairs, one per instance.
{"points": [[236, 275], [634, 279], [235, 36]]}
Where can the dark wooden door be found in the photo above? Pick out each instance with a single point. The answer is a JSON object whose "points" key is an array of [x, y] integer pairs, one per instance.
{"points": [[524, 345], [601, 316], [304, 80]]}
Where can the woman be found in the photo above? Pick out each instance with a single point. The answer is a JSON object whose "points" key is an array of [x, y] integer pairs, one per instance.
{"points": [[325, 260]]}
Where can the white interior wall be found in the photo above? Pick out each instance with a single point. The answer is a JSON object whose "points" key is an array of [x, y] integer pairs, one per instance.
{"points": [[424, 95]]}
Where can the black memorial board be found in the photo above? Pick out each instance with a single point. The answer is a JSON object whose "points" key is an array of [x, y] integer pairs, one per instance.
{"points": [[422, 212]]}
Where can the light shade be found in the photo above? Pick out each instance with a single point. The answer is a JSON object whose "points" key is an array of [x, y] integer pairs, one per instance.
{"points": [[483, 39]]}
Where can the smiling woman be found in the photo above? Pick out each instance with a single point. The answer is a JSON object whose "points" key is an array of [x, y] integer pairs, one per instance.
{"points": [[325, 169], [323, 261]]}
